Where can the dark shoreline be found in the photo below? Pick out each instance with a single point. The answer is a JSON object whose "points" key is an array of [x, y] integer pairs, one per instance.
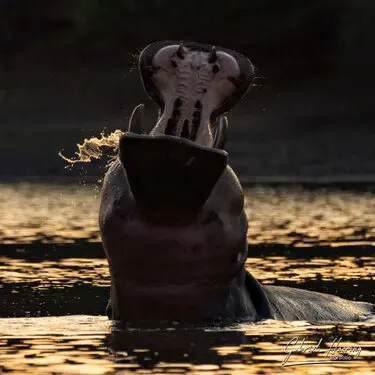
{"points": [[351, 183], [69, 71]]}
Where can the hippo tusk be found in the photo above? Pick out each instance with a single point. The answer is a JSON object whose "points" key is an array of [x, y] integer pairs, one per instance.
{"points": [[221, 132], [135, 122]]}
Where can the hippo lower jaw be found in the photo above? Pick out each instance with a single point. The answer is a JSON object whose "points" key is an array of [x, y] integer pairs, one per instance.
{"points": [[170, 174], [174, 231]]}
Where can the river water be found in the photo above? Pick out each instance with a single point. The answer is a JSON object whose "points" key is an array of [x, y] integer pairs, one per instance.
{"points": [[54, 285]]}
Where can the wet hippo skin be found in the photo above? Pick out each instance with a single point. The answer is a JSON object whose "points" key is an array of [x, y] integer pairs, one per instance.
{"points": [[172, 215]]}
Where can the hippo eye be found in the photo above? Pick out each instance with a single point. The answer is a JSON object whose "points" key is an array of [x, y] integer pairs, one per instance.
{"points": [[174, 64]]}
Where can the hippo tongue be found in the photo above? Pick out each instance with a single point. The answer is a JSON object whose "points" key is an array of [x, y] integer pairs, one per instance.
{"points": [[169, 173]]}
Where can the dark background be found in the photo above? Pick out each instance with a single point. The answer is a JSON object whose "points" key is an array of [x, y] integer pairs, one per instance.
{"points": [[68, 70]]}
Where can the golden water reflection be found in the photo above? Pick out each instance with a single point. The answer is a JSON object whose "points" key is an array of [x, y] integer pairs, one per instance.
{"points": [[88, 345], [66, 273], [84, 344], [58, 212], [48, 212]]}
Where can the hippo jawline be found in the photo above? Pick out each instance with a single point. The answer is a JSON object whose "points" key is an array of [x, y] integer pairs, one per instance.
{"points": [[170, 172]]}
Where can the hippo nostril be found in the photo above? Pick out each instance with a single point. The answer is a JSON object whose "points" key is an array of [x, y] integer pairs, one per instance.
{"points": [[215, 69], [174, 64]]}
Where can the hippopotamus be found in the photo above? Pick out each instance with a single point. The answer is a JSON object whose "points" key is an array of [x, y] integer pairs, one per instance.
{"points": [[172, 217]]}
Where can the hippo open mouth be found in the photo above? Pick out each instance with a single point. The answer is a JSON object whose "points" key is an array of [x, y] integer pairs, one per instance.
{"points": [[182, 157]]}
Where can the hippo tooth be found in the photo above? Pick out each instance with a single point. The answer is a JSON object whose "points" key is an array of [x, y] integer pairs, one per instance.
{"points": [[197, 116], [135, 122], [185, 129], [171, 127], [181, 52], [213, 55]]}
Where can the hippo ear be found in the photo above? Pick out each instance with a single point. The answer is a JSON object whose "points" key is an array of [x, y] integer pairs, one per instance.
{"points": [[135, 122], [220, 137]]}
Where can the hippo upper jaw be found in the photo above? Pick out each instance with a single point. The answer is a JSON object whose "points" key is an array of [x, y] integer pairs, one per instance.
{"points": [[193, 84]]}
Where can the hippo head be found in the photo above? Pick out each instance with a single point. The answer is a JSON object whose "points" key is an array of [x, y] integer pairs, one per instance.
{"points": [[180, 160], [173, 225]]}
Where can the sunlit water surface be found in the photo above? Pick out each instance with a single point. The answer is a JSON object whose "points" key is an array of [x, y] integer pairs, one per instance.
{"points": [[54, 285], [87, 345], [61, 212]]}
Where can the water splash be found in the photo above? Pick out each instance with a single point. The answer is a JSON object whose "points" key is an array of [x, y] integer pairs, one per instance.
{"points": [[92, 148]]}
